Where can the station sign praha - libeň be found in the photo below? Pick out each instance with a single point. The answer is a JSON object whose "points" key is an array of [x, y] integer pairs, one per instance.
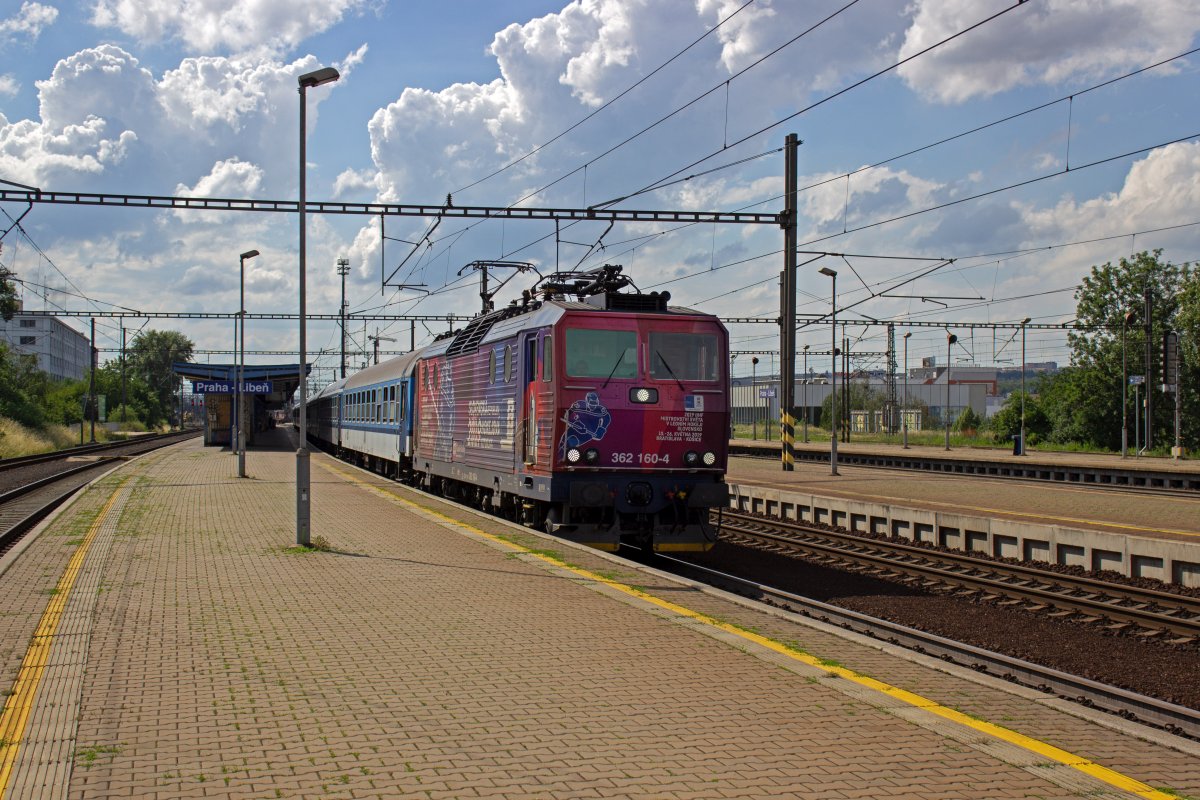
{"points": [[230, 387]]}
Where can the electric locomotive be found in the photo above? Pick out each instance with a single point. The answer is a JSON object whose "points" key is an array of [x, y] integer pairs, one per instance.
{"points": [[595, 414]]}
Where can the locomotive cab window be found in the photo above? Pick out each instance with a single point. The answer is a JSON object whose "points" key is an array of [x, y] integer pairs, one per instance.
{"points": [[548, 359], [601, 353], [684, 356]]}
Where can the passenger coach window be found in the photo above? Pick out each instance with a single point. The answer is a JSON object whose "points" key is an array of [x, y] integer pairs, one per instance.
{"points": [[601, 353], [684, 357]]}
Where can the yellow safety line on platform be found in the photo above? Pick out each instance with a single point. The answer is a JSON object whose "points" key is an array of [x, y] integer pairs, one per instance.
{"points": [[960, 507], [15, 717], [1049, 751]]}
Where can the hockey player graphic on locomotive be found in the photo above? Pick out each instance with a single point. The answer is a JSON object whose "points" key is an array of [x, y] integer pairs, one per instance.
{"points": [[595, 414], [586, 421]]}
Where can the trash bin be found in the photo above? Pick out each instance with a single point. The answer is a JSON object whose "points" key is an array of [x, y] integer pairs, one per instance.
{"points": [[1018, 445]]}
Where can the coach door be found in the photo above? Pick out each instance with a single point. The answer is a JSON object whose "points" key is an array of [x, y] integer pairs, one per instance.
{"points": [[529, 429]]}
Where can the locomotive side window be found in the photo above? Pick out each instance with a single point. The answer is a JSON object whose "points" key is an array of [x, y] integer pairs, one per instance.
{"points": [[601, 353], [548, 359], [684, 356], [510, 354], [491, 367], [501, 365]]}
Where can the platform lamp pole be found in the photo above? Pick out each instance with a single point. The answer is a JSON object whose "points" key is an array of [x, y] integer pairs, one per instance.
{"points": [[241, 442], [833, 350], [950, 339], [1125, 320], [1024, 322], [754, 397], [806, 382], [303, 476], [343, 268], [904, 406]]}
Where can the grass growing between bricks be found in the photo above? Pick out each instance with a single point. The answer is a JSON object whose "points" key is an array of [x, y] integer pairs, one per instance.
{"points": [[87, 756]]}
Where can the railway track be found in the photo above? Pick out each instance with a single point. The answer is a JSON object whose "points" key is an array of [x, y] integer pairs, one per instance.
{"points": [[1143, 612], [37, 486], [1177, 719]]}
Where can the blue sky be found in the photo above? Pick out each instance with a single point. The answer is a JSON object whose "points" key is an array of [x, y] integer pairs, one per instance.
{"points": [[199, 97]]}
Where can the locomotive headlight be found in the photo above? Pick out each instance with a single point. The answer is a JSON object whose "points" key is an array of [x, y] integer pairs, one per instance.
{"points": [[710, 458], [691, 458], [643, 394], [573, 455], [591, 455]]}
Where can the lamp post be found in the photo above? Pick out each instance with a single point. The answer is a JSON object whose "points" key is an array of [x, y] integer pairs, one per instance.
{"points": [[833, 350], [1126, 318], [343, 267], [904, 405], [1024, 322], [754, 397], [806, 382], [950, 339], [241, 377], [303, 476]]}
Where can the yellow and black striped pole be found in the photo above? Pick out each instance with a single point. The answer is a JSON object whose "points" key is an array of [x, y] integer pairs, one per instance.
{"points": [[787, 307], [787, 433]]}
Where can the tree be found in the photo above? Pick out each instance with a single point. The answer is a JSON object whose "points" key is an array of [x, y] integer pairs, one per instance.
{"points": [[20, 382], [862, 398], [1084, 403], [9, 304], [1187, 323], [150, 359], [1006, 423], [968, 420]]}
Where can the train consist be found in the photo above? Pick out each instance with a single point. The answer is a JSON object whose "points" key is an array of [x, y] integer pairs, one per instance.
{"points": [[597, 415]]}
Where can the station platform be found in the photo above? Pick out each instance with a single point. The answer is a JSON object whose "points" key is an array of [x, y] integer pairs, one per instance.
{"points": [[1140, 533], [161, 637]]}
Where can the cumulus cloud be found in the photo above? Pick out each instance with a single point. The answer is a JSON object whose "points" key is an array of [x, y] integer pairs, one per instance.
{"points": [[1160, 190], [1039, 43], [9, 86], [236, 26], [230, 178], [353, 181], [29, 22], [100, 108]]}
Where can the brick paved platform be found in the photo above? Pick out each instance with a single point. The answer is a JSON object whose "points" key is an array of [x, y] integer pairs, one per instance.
{"points": [[161, 638]]}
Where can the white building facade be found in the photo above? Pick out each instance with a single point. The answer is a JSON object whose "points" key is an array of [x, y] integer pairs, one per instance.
{"points": [[62, 352]]}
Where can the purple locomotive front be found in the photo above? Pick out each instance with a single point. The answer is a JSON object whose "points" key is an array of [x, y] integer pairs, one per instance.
{"points": [[592, 421]]}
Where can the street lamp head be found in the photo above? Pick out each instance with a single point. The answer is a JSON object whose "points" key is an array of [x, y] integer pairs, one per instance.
{"points": [[907, 335], [754, 360], [249, 254], [1027, 320], [951, 338], [1129, 317], [827, 271], [806, 348], [318, 77]]}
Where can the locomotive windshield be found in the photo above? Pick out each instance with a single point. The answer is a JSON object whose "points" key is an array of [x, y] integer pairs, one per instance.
{"points": [[684, 356], [601, 353]]}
